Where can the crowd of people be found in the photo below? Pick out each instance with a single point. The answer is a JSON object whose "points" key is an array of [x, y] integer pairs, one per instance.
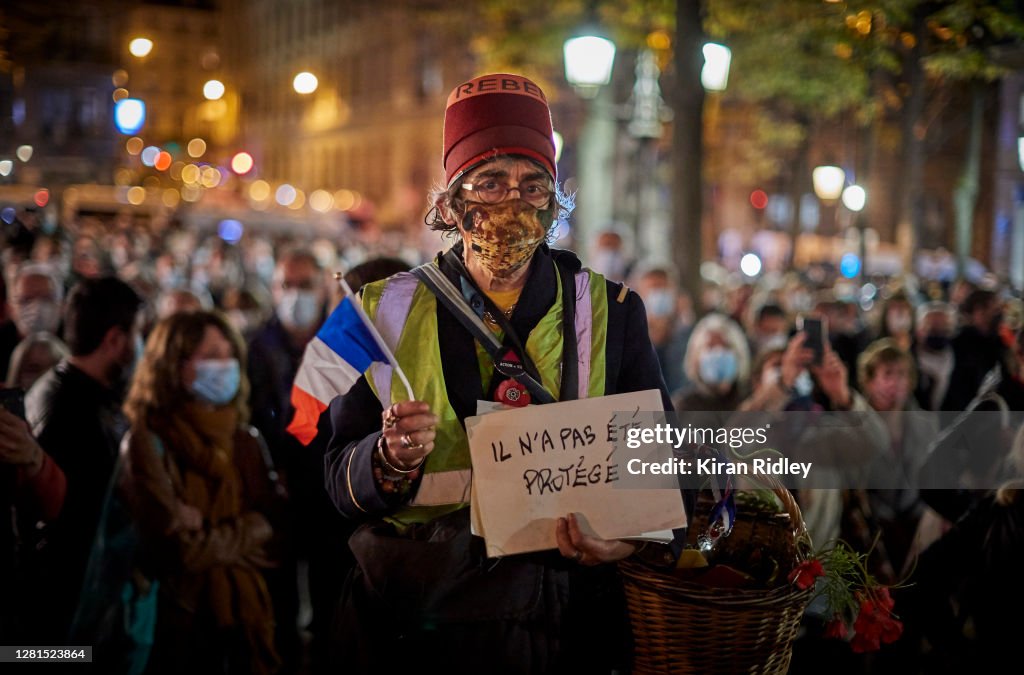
{"points": [[159, 362]]}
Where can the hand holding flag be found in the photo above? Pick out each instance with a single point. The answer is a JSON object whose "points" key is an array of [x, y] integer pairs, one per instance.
{"points": [[335, 358]]}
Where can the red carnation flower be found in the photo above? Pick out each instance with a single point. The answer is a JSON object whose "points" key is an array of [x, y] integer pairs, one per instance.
{"points": [[836, 628], [804, 574]]}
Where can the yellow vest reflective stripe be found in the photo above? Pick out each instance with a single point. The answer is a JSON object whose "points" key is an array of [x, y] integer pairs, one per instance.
{"points": [[405, 313]]}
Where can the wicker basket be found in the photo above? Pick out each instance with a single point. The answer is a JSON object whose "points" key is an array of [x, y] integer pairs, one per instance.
{"points": [[685, 627]]}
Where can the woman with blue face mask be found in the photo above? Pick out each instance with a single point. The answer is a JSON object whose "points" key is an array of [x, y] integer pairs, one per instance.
{"points": [[190, 444], [717, 363]]}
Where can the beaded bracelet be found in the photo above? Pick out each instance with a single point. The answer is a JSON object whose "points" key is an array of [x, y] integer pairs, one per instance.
{"points": [[388, 465], [392, 484]]}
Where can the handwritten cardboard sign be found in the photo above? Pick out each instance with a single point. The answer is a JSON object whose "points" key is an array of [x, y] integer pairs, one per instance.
{"points": [[534, 465]]}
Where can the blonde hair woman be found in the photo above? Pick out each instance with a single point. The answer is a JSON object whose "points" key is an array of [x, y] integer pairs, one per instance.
{"points": [[189, 444]]}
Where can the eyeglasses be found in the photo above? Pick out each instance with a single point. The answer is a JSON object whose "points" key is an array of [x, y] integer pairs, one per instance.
{"points": [[533, 192]]}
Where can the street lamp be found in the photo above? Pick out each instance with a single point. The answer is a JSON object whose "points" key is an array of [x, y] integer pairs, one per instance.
{"points": [[213, 90], [589, 60], [828, 182], [828, 185], [714, 76], [854, 198], [305, 83], [588, 63], [140, 47]]}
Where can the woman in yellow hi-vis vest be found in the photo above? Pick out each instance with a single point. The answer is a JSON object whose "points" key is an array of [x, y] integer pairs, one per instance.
{"points": [[423, 594]]}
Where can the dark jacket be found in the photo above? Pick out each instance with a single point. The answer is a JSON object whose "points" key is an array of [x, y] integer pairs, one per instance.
{"points": [[9, 339], [974, 355], [78, 422], [975, 567], [273, 362]]}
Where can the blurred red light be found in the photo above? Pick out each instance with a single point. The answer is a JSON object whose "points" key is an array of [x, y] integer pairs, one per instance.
{"points": [[163, 161], [41, 197], [758, 199]]}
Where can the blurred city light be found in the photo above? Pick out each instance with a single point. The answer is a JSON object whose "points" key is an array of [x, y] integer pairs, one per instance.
{"points": [[344, 200], [41, 197], [321, 201], [134, 145], [171, 197], [210, 177], [6, 166], [119, 78], [849, 265], [196, 147], [136, 195], [163, 161], [750, 264], [299, 201], [149, 155], [1020, 152], [559, 144], [151, 182], [129, 115], [242, 163], [854, 197], [828, 182], [119, 94], [191, 193], [213, 90], [7, 215], [588, 60], [759, 199], [285, 194], [230, 230], [714, 76], [175, 170], [259, 190], [190, 174], [140, 47], [305, 83], [24, 152]]}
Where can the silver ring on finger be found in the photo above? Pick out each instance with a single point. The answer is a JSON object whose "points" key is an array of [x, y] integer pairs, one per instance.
{"points": [[577, 556], [407, 442]]}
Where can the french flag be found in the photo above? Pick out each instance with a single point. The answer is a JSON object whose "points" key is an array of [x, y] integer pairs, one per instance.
{"points": [[341, 352]]}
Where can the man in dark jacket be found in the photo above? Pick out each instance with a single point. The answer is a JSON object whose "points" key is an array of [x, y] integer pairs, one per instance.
{"points": [[976, 348], [75, 413], [274, 356]]}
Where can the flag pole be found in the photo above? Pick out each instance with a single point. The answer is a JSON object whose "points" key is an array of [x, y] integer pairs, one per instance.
{"points": [[340, 278]]}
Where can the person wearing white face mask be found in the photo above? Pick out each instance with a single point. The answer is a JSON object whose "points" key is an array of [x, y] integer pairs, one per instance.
{"points": [[898, 321], [35, 305], [668, 323], [717, 363]]}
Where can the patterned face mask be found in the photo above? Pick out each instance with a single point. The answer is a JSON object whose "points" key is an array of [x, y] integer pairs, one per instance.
{"points": [[505, 235]]}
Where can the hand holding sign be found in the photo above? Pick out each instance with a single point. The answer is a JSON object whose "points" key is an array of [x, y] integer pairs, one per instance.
{"points": [[587, 550], [533, 466]]}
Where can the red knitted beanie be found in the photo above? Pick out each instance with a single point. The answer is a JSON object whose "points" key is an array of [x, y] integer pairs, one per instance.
{"points": [[492, 115]]}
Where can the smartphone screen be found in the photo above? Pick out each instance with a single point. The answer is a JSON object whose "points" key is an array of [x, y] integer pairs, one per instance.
{"points": [[13, 400], [816, 331]]}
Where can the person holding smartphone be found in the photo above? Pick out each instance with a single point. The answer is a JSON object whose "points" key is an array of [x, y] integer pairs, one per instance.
{"points": [[32, 489]]}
